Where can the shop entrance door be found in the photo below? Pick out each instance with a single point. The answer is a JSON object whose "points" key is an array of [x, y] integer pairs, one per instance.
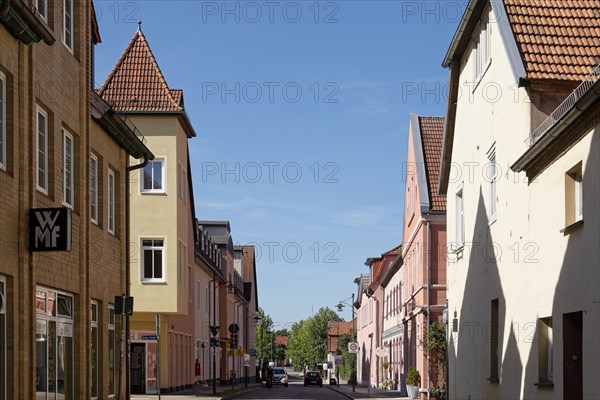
{"points": [[138, 368]]}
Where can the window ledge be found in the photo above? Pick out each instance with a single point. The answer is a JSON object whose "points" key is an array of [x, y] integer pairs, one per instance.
{"points": [[143, 282], [494, 379], [572, 227], [545, 384], [161, 193], [492, 219]]}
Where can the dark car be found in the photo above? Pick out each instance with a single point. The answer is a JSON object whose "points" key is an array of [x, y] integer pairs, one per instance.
{"points": [[313, 378], [333, 380]]}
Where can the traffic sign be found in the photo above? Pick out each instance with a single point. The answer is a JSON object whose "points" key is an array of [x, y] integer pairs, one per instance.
{"points": [[214, 329], [149, 337], [214, 342], [352, 347], [234, 328]]}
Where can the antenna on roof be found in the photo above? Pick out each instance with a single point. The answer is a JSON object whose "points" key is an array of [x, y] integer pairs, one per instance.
{"points": [[139, 25]]}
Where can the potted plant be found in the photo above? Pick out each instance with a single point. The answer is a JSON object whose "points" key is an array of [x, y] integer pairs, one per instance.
{"points": [[385, 365], [413, 382]]}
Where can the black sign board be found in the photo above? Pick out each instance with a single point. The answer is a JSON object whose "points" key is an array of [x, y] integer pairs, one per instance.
{"points": [[50, 229], [149, 337], [123, 307], [234, 328], [214, 329]]}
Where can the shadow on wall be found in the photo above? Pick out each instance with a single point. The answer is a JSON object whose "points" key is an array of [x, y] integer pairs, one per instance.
{"points": [[477, 330], [576, 306]]}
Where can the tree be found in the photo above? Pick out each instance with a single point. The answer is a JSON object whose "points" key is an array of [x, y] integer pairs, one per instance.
{"points": [[263, 338], [434, 343]]}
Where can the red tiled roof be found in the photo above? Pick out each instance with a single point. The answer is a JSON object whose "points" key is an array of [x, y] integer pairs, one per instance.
{"points": [[558, 39], [432, 134], [395, 251], [281, 340], [136, 82]]}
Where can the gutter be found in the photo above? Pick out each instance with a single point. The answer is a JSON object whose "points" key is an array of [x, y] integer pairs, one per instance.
{"points": [[26, 20], [428, 305], [458, 35], [448, 141]]}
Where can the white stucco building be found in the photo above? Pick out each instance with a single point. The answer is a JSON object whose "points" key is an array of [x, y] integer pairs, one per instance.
{"points": [[522, 201]]}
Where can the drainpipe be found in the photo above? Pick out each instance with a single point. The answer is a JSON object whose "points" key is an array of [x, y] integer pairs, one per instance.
{"points": [[128, 275], [428, 303]]}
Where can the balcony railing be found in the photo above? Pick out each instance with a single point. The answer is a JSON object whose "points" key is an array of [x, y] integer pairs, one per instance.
{"points": [[208, 248], [565, 106]]}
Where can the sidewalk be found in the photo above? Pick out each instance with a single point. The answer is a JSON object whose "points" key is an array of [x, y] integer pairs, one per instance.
{"points": [[201, 393], [362, 392]]}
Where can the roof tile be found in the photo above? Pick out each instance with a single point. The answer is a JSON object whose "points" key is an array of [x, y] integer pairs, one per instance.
{"points": [[432, 134], [558, 39], [136, 83]]}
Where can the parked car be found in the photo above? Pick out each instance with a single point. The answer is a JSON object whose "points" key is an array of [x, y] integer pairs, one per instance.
{"points": [[313, 378], [333, 380], [280, 377]]}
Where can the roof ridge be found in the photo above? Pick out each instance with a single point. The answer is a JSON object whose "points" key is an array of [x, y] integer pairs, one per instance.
{"points": [[140, 38]]}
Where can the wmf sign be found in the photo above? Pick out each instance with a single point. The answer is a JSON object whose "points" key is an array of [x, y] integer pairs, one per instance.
{"points": [[50, 229]]}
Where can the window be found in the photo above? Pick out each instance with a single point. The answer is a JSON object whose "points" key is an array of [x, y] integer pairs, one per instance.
{"points": [[67, 169], [574, 195], [152, 181], [2, 121], [3, 337], [111, 202], [67, 35], [494, 343], [492, 174], [41, 160], [460, 221], [42, 8], [153, 260], [546, 348], [94, 352], [54, 344], [181, 263], [481, 47], [181, 185], [94, 189], [112, 345]]}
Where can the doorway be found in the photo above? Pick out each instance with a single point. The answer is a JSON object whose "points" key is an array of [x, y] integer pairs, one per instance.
{"points": [[572, 356], [138, 368]]}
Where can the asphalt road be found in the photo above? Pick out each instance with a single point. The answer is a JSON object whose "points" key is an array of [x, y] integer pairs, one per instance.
{"points": [[295, 390]]}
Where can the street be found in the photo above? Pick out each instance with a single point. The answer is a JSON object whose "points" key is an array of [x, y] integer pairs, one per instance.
{"points": [[295, 390]]}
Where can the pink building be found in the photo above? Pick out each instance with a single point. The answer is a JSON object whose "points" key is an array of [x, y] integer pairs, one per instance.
{"points": [[423, 271]]}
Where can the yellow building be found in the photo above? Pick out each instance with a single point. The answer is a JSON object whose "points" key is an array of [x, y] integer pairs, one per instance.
{"points": [[161, 227]]}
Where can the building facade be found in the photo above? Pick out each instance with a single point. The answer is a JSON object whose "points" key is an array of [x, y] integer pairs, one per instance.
{"points": [[63, 173], [422, 291], [161, 228], [521, 177]]}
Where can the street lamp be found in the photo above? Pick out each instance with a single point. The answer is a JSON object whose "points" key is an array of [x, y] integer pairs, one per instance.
{"points": [[340, 307]]}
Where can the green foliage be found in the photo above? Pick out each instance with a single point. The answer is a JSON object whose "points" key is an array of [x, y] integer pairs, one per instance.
{"points": [[413, 377], [434, 343], [385, 365], [307, 342]]}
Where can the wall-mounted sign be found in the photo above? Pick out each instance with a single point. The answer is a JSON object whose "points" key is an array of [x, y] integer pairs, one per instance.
{"points": [[50, 229], [353, 347]]}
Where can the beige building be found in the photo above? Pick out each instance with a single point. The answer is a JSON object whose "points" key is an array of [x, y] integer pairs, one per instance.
{"points": [[520, 169], [63, 175], [161, 227]]}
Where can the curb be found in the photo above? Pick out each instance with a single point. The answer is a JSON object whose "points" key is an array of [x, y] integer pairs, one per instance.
{"points": [[341, 392], [235, 393]]}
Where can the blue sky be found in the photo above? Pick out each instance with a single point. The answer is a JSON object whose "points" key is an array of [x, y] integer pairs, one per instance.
{"points": [[301, 110]]}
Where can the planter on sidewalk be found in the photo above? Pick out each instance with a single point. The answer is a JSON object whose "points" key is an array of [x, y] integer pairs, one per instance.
{"points": [[413, 391]]}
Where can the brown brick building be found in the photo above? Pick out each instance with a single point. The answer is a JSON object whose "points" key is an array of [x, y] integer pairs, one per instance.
{"points": [[61, 148]]}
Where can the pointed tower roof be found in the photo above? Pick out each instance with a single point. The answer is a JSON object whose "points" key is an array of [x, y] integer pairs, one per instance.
{"points": [[136, 83]]}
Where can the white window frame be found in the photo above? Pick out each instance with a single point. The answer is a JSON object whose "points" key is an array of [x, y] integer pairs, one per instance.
{"points": [[482, 53], [41, 186], [67, 12], [459, 218], [42, 11], [578, 181], [2, 121], [67, 167], [3, 368], [492, 193], [182, 183], [111, 327], [94, 325], [163, 176], [110, 200], [163, 248], [94, 189]]}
